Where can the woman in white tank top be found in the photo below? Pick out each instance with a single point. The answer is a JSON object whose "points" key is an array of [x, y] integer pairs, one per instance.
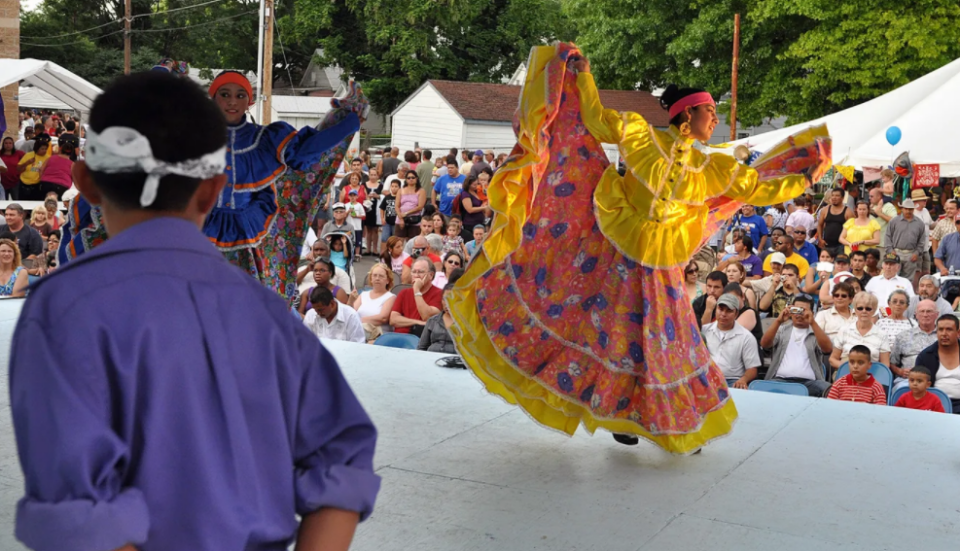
{"points": [[374, 306]]}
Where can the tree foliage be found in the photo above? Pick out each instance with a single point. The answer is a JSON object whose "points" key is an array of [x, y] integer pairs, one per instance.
{"points": [[393, 46], [220, 34], [799, 58]]}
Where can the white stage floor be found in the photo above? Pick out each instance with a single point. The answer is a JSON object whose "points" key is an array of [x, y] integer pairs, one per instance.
{"points": [[464, 471]]}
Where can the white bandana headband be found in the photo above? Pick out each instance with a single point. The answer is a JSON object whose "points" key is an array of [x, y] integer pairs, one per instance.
{"points": [[119, 149]]}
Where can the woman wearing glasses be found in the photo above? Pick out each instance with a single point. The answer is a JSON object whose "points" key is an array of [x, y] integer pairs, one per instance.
{"points": [[695, 289], [896, 322], [833, 320], [451, 261], [864, 331]]}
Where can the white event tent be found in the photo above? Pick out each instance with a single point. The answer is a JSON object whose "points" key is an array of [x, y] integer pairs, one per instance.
{"points": [[51, 78], [32, 97], [924, 110]]}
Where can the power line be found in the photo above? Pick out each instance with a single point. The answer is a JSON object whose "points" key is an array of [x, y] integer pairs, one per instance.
{"points": [[120, 20], [78, 32], [220, 20], [195, 24], [69, 43], [177, 9], [284, 52]]}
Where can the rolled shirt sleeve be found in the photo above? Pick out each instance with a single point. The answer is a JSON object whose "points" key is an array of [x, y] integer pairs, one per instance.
{"points": [[73, 462], [335, 440]]}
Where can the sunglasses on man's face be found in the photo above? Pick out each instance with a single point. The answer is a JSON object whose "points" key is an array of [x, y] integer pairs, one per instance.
{"points": [[841, 295]]}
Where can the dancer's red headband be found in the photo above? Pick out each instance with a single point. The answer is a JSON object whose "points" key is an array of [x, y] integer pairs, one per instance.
{"points": [[693, 100], [231, 77]]}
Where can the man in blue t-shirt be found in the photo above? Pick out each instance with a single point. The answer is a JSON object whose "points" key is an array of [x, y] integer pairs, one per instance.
{"points": [[448, 187], [749, 221]]}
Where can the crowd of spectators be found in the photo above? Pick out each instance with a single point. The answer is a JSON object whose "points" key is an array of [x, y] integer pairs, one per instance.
{"points": [[422, 220], [838, 286], [792, 293]]}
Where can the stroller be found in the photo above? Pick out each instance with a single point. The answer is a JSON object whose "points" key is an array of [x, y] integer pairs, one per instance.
{"points": [[950, 287]]}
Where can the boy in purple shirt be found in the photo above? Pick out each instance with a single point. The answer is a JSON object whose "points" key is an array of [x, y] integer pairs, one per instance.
{"points": [[161, 398]]}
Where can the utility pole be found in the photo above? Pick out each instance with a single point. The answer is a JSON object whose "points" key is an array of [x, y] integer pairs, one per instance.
{"points": [[267, 80], [733, 85], [126, 36]]}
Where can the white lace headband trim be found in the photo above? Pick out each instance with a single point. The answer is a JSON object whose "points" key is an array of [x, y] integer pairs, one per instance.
{"points": [[120, 149]]}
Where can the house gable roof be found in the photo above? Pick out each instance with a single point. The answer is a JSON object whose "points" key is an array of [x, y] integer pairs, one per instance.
{"points": [[479, 101]]}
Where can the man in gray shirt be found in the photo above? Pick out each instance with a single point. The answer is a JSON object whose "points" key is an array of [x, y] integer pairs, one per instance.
{"points": [[906, 236]]}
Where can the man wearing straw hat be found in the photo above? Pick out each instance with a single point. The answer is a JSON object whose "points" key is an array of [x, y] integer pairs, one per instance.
{"points": [[906, 236]]}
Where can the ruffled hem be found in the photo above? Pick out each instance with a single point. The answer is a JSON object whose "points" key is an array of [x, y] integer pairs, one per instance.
{"points": [[231, 229], [558, 412]]}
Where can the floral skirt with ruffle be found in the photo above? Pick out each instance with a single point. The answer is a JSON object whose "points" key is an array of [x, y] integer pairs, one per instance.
{"points": [[553, 317]]}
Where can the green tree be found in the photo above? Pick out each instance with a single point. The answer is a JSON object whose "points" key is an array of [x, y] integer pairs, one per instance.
{"points": [[393, 46], [799, 58]]}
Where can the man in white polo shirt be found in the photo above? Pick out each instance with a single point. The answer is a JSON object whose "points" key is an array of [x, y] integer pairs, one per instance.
{"points": [[731, 345], [889, 281]]}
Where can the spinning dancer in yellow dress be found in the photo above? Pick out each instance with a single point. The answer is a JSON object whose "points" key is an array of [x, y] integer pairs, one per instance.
{"points": [[575, 308]]}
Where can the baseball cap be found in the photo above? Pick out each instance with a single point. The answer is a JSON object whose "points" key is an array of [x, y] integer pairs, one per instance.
{"points": [[488, 152], [908, 204], [778, 258], [728, 300], [891, 257], [352, 192], [842, 258], [340, 206]]}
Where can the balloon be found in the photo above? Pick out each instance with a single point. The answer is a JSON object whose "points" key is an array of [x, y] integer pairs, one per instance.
{"points": [[893, 135]]}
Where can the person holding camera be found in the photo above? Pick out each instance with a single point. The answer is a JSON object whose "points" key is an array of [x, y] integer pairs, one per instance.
{"points": [[776, 299], [800, 348]]}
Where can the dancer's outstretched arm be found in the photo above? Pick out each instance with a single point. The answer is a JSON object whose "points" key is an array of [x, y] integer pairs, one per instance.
{"points": [[606, 125]]}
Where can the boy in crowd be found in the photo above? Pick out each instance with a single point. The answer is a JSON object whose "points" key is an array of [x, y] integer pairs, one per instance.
{"points": [[356, 213], [859, 385], [211, 422], [918, 397]]}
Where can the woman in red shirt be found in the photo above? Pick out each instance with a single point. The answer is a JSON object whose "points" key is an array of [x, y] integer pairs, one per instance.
{"points": [[57, 174], [11, 177]]}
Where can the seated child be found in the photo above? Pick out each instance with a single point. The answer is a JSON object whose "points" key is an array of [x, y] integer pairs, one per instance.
{"points": [[918, 397], [859, 385]]}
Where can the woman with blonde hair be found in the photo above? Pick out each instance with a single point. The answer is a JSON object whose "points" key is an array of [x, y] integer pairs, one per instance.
{"points": [[375, 305], [864, 331], [13, 276]]}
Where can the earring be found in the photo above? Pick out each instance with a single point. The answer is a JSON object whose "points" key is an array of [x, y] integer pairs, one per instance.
{"points": [[685, 128]]}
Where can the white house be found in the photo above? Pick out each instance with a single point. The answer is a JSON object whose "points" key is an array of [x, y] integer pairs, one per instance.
{"points": [[444, 114]]}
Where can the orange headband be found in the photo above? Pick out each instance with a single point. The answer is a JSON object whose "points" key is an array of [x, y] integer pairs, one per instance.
{"points": [[231, 77]]}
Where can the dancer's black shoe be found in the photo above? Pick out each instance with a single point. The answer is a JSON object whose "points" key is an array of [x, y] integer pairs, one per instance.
{"points": [[626, 439]]}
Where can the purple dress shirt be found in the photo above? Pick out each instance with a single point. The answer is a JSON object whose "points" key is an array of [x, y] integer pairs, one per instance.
{"points": [[162, 397]]}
